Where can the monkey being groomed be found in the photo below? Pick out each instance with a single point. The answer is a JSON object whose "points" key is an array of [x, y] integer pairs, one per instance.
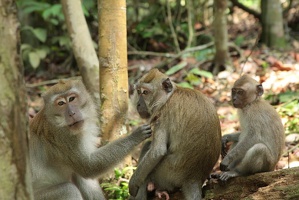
{"points": [[186, 139], [259, 145], [63, 153]]}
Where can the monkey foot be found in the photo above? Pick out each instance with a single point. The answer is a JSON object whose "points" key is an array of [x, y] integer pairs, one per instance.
{"points": [[227, 175], [160, 194]]}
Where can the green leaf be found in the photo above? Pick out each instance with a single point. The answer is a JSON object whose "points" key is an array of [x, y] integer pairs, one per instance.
{"points": [[42, 53], [176, 68], [203, 73], [185, 85], [40, 34], [34, 59]]}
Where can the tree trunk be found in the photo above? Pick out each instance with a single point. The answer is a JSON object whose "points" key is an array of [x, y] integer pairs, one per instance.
{"points": [[272, 24], [14, 172], [113, 68], [83, 48], [221, 59]]}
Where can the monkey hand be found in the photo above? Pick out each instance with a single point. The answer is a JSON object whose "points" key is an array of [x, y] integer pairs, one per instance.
{"points": [[133, 185], [224, 142], [142, 132]]}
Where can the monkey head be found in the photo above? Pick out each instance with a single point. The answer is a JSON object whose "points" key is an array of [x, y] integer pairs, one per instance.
{"points": [[153, 90], [245, 91], [67, 105]]}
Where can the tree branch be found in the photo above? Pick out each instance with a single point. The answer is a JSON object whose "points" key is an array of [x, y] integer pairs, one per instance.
{"points": [[243, 7]]}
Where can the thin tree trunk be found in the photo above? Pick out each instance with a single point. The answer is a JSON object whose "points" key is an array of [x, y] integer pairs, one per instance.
{"points": [[14, 167], [221, 59], [272, 24], [113, 68], [83, 48]]}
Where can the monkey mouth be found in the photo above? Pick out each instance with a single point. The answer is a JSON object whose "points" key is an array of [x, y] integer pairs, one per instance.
{"points": [[76, 124]]}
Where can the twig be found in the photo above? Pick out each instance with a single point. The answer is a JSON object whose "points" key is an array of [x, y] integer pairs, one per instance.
{"points": [[48, 82], [150, 53], [243, 7], [197, 48], [255, 44], [175, 38], [190, 23]]}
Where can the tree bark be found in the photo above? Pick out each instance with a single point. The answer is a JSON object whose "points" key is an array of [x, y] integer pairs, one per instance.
{"points": [[14, 167], [221, 59], [83, 48], [272, 24], [113, 68]]}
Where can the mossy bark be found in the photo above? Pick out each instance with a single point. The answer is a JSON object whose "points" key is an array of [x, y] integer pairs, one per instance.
{"points": [[221, 59], [272, 24], [113, 68], [14, 170]]}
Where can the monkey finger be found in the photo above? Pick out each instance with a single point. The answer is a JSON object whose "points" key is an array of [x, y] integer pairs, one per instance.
{"points": [[160, 194]]}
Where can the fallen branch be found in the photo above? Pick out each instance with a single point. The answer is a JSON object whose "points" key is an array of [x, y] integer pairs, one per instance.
{"points": [[277, 185]]}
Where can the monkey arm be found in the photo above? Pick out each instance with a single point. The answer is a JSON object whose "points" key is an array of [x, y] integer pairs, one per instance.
{"points": [[154, 155], [90, 165], [232, 137], [239, 151]]}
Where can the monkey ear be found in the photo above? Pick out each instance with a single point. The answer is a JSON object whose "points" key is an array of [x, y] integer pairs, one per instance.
{"points": [[167, 86], [259, 90]]}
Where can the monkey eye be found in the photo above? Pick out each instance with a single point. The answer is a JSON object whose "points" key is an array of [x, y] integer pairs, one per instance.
{"points": [[145, 92], [60, 103], [240, 92], [72, 98]]}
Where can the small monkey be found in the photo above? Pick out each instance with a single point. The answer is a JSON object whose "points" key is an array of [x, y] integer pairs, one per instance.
{"points": [[63, 154], [186, 139], [259, 145]]}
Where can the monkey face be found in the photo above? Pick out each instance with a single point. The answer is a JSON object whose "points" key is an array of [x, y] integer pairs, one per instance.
{"points": [[152, 94], [141, 105], [245, 91], [67, 109]]}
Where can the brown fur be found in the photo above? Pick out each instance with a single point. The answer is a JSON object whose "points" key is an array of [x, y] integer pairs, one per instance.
{"points": [[259, 145], [63, 153], [186, 140]]}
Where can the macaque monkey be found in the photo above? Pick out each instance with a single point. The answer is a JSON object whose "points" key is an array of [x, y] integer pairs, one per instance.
{"points": [[186, 140], [63, 153], [259, 145]]}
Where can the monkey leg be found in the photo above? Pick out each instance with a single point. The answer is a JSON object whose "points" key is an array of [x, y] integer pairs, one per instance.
{"points": [[89, 188], [63, 191], [142, 192], [192, 190], [257, 159]]}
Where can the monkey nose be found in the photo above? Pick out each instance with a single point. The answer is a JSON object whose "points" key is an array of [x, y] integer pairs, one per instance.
{"points": [[71, 113]]}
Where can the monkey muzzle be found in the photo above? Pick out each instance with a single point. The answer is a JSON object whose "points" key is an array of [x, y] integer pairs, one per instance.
{"points": [[76, 124]]}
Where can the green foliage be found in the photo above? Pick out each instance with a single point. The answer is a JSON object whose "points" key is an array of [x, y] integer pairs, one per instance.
{"points": [[194, 78], [118, 188], [43, 30], [239, 40], [176, 68], [290, 110], [205, 54]]}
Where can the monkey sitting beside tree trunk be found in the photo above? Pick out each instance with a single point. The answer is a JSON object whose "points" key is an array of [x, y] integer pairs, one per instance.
{"points": [[186, 140], [259, 145], [62, 145]]}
